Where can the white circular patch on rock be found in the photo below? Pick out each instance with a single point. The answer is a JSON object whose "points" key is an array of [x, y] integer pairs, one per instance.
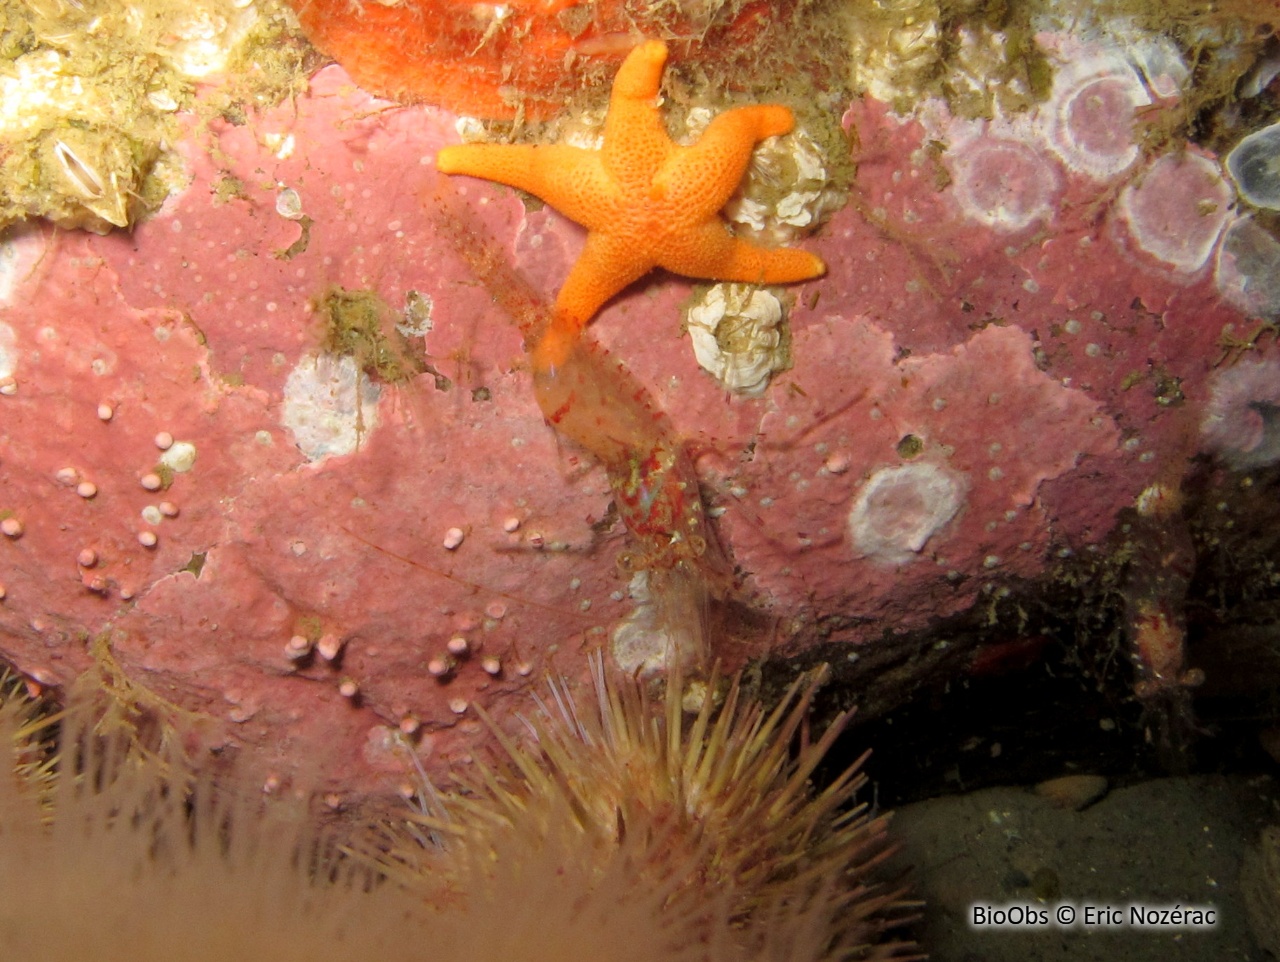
{"points": [[1242, 420], [1003, 184], [329, 406], [1254, 164], [1091, 113], [1248, 269], [899, 509], [1176, 210], [180, 457]]}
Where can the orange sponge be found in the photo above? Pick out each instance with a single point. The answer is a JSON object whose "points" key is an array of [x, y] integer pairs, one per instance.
{"points": [[492, 59]]}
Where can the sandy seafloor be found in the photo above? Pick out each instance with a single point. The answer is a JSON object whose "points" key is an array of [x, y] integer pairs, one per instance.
{"points": [[1163, 842]]}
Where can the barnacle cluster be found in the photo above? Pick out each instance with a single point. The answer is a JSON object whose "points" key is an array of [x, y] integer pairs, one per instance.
{"points": [[91, 92], [738, 336], [980, 55]]}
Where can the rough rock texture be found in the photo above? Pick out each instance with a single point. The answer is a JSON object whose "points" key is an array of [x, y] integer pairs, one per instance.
{"points": [[998, 362]]}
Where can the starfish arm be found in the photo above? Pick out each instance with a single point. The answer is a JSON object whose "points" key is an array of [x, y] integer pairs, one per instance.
{"points": [[606, 265], [570, 179], [706, 174], [635, 138], [640, 75], [710, 251]]}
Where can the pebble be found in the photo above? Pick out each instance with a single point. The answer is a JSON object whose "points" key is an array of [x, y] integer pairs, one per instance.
{"points": [[1073, 791]]}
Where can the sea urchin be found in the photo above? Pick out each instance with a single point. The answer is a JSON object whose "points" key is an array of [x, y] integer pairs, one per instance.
{"points": [[627, 829]]}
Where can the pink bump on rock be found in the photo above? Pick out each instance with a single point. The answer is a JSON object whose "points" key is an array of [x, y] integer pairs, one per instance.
{"points": [[87, 558], [453, 538], [148, 539], [458, 646], [151, 481], [409, 725], [439, 666], [491, 665], [1175, 211], [4, 592], [11, 528], [348, 688], [86, 489], [105, 411], [511, 524], [67, 476], [164, 440], [168, 509], [329, 646], [837, 463], [297, 647]]}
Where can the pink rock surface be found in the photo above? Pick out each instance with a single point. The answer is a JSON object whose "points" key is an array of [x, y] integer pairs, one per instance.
{"points": [[994, 367]]}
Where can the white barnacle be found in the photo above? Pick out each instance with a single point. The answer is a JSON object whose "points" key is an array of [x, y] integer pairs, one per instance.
{"points": [[289, 204], [93, 176], [737, 336], [82, 177], [179, 457], [788, 191]]}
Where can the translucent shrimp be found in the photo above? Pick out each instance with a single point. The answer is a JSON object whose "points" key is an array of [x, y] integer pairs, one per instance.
{"points": [[593, 400]]}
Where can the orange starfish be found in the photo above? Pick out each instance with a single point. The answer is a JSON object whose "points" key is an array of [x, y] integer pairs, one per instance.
{"points": [[645, 201]]}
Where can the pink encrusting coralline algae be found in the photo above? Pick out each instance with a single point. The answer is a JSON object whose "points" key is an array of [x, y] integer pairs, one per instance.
{"points": [[1017, 335]]}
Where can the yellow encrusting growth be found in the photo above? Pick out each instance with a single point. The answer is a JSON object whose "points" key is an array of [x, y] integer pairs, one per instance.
{"points": [[360, 325], [91, 93]]}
